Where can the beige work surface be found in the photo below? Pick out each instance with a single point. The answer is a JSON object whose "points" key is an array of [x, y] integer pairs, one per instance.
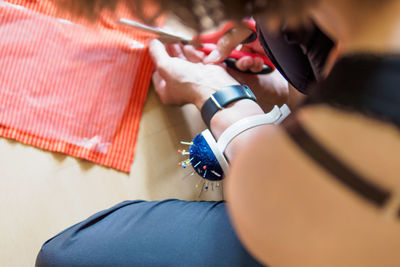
{"points": [[41, 193]]}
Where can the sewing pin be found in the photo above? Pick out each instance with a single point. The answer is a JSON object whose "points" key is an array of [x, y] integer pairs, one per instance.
{"points": [[183, 152], [216, 173], [184, 163], [197, 164], [202, 188], [187, 175], [187, 143]]}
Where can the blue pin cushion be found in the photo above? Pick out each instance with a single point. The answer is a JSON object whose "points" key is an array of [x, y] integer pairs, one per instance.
{"points": [[207, 155], [203, 159]]}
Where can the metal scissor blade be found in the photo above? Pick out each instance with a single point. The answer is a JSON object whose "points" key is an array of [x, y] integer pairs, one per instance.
{"points": [[163, 34]]}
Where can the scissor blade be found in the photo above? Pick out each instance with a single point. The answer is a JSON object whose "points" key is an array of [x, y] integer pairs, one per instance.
{"points": [[164, 34]]}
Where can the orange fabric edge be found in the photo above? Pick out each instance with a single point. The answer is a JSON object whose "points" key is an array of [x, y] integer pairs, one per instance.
{"points": [[121, 152]]}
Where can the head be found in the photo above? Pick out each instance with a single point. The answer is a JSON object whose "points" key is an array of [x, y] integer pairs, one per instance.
{"points": [[198, 14], [341, 19], [360, 25]]}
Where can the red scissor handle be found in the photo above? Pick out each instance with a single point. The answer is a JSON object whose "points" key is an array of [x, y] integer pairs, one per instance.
{"points": [[213, 38], [236, 54]]}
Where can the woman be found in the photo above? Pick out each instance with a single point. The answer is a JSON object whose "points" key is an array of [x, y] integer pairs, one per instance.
{"points": [[323, 190]]}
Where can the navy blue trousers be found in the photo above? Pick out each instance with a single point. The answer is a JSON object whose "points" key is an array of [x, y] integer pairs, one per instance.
{"points": [[158, 233]]}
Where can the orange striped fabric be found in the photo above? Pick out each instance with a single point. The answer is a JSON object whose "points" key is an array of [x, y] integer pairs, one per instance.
{"points": [[69, 88]]}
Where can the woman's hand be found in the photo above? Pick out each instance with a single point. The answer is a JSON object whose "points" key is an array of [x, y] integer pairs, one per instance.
{"points": [[270, 89], [229, 42], [178, 81]]}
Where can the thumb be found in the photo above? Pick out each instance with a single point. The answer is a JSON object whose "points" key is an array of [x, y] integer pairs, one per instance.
{"points": [[227, 43], [158, 53]]}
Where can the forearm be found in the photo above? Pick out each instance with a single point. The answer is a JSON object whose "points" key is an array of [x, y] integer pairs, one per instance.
{"points": [[233, 113], [295, 98], [178, 81], [226, 117]]}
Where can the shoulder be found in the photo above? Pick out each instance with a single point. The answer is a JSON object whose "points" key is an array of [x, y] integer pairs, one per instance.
{"points": [[274, 183], [368, 146]]}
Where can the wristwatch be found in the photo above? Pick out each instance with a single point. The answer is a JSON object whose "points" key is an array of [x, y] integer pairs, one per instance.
{"points": [[223, 98]]}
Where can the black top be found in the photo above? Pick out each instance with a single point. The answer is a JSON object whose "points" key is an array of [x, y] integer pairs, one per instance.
{"points": [[364, 83]]}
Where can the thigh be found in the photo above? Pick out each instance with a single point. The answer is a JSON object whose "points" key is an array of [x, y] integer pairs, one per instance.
{"points": [[158, 233]]}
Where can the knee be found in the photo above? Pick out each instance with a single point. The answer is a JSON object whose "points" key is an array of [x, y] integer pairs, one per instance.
{"points": [[64, 249], [52, 254]]}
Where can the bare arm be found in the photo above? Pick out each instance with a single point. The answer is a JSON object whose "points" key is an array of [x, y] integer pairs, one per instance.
{"points": [[288, 211], [178, 81]]}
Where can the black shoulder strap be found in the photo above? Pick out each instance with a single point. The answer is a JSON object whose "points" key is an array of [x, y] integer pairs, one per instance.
{"points": [[339, 170]]}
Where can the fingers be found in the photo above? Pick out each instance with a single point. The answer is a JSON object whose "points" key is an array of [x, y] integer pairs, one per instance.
{"points": [[227, 43], [248, 63], [158, 53], [245, 63], [175, 50], [165, 64], [158, 82], [160, 86], [192, 54], [257, 66]]}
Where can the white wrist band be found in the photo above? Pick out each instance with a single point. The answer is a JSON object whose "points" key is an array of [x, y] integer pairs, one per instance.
{"points": [[206, 155], [275, 116], [219, 154]]}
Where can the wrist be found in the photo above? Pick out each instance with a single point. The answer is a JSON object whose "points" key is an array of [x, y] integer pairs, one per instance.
{"points": [[223, 98], [233, 113], [204, 92], [202, 95]]}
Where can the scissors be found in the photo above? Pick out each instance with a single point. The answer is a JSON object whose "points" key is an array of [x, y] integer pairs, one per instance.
{"points": [[201, 41]]}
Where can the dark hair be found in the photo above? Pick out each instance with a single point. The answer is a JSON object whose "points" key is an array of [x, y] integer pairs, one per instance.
{"points": [[197, 14]]}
